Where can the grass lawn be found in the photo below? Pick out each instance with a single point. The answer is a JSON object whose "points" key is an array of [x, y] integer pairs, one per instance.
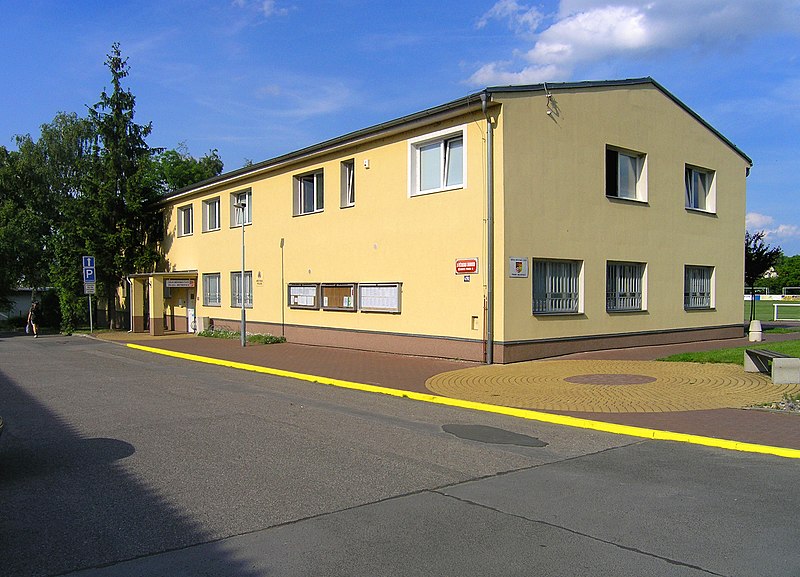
{"points": [[765, 310], [735, 355]]}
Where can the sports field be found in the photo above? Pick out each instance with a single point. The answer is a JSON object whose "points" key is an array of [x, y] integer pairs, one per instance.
{"points": [[764, 311]]}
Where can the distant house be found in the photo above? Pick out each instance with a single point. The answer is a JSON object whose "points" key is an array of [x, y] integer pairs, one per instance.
{"points": [[515, 223], [21, 299]]}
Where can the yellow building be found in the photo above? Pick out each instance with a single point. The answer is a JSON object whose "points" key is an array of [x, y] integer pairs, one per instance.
{"points": [[515, 223]]}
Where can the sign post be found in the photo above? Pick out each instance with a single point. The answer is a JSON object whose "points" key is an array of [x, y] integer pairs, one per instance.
{"points": [[89, 280]]}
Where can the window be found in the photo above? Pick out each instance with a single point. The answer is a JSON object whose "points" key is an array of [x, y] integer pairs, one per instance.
{"points": [[304, 296], [379, 297], [309, 193], [185, 220], [211, 214], [236, 289], [338, 297], [437, 162], [348, 189], [626, 174], [698, 287], [211, 292], [625, 286], [700, 189], [243, 197], [556, 286]]}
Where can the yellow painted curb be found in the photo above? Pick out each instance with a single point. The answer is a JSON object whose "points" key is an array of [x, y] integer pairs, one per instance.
{"points": [[528, 414]]}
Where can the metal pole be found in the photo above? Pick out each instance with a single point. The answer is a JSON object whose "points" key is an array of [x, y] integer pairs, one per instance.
{"points": [[241, 206], [91, 329], [489, 230]]}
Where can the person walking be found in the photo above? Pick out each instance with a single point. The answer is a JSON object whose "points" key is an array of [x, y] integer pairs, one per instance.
{"points": [[33, 318]]}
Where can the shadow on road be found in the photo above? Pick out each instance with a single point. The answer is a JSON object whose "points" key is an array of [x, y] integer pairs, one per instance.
{"points": [[68, 502]]}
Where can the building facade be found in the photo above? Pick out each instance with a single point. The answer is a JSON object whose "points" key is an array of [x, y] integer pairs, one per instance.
{"points": [[516, 223]]}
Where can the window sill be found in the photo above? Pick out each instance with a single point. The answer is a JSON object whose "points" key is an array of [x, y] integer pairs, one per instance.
{"points": [[185, 235], [213, 230], [308, 213], [625, 311], [348, 206], [436, 190], [698, 309], [701, 211], [558, 314], [240, 226], [212, 305], [627, 200]]}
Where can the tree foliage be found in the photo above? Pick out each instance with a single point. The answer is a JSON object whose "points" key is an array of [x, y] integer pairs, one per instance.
{"points": [[759, 257], [87, 187]]}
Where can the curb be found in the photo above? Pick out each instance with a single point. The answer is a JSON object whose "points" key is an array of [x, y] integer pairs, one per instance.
{"points": [[527, 414]]}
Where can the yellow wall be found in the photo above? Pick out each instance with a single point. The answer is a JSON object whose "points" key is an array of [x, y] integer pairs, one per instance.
{"points": [[386, 237], [550, 203], [555, 207]]}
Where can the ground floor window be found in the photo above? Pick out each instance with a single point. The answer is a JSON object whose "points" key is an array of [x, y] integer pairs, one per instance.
{"points": [[624, 286], [236, 289], [556, 286], [698, 287], [211, 290]]}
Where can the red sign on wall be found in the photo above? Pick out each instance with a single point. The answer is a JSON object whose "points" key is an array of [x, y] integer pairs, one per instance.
{"points": [[467, 266]]}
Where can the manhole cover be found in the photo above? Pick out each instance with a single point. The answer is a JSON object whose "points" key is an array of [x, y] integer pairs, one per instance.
{"points": [[610, 379], [493, 435]]}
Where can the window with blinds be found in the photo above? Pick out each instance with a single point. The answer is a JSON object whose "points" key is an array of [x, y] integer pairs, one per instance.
{"points": [[624, 286], [556, 286], [698, 287]]}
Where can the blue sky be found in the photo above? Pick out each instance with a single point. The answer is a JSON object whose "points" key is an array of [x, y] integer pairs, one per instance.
{"points": [[257, 79]]}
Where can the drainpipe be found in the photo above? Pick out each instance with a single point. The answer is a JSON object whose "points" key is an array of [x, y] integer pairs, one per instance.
{"points": [[485, 96], [130, 301]]}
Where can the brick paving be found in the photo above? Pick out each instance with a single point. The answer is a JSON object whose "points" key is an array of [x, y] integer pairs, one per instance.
{"points": [[705, 400]]}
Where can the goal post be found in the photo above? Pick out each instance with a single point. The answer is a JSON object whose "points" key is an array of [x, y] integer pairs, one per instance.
{"points": [[786, 312]]}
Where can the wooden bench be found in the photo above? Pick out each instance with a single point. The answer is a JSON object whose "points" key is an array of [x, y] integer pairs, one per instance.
{"points": [[783, 369]]}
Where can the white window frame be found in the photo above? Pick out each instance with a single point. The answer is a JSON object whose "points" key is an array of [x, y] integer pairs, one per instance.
{"points": [[637, 162], [348, 184], [183, 220], [236, 280], [626, 286], [706, 202], [555, 293], [245, 196], [212, 298], [698, 287], [317, 179], [442, 138], [211, 208]]}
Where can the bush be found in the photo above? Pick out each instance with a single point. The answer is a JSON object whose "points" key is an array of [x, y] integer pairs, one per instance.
{"points": [[251, 338]]}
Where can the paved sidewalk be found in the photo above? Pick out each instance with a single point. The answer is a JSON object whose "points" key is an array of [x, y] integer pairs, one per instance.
{"points": [[620, 386]]}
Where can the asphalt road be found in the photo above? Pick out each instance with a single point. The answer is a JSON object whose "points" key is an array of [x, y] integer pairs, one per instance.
{"points": [[119, 462]]}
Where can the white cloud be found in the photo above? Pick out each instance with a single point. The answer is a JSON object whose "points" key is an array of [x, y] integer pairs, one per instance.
{"points": [[520, 17], [267, 7], [589, 31], [756, 222]]}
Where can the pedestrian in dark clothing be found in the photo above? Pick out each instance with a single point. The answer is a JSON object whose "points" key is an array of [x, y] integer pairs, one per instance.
{"points": [[33, 318]]}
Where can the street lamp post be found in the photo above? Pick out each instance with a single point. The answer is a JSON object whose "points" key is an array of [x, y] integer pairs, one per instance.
{"points": [[241, 206]]}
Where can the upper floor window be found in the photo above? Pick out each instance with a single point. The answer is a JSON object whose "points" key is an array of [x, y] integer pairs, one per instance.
{"points": [[556, 286], [309, 193], [698, 287], [437, 162], [348, 197], [185, 220], [211, 214], [700, 189], [244, 199], [626, 174], [625, 286]]}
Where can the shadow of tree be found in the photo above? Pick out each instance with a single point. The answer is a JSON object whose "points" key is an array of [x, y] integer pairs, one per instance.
{"points": [[68, 502]]}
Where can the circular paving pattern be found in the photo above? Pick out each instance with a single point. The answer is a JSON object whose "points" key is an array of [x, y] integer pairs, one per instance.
{"points": [[610, 379], [583, 385]]}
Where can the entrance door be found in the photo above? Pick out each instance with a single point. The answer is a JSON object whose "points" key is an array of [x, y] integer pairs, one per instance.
{"points": [[191, 320]]}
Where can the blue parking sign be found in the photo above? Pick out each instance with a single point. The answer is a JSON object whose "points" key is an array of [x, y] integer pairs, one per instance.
{"points": [[88, 262], [88, 275]]}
